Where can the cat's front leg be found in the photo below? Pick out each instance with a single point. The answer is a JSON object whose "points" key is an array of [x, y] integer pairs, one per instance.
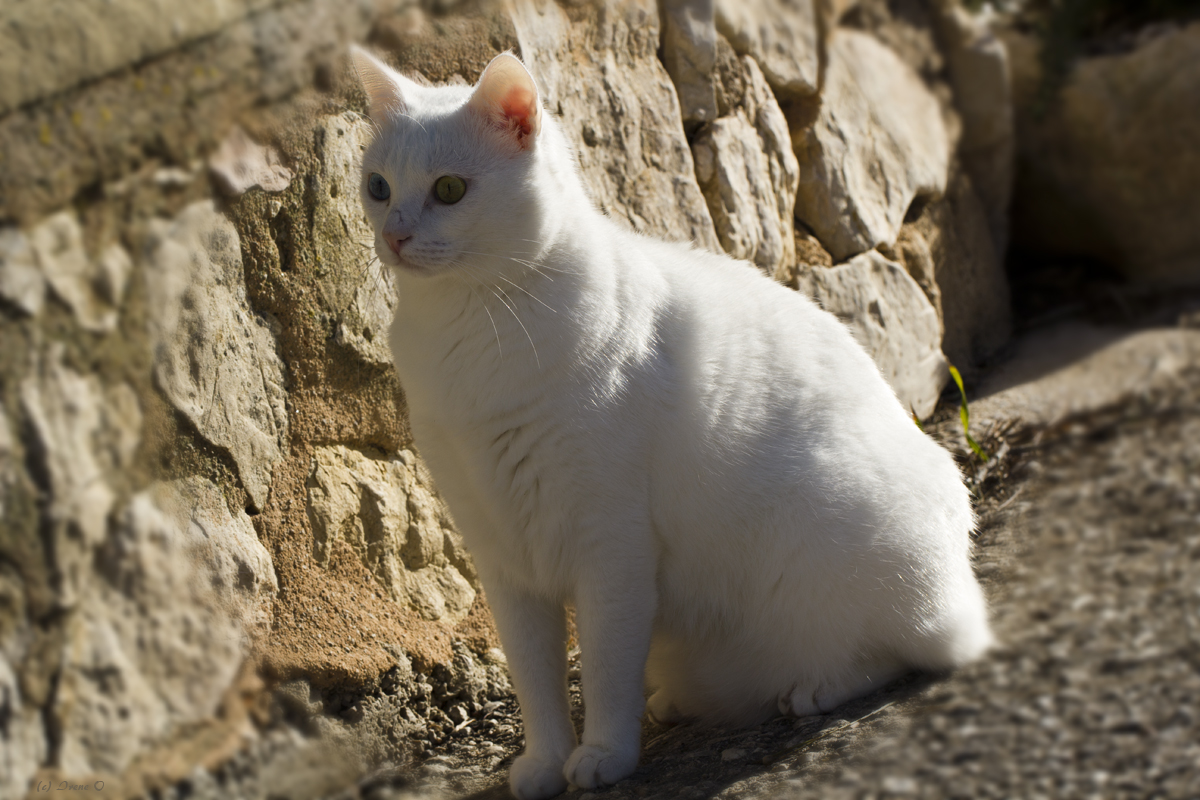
{"points": [[615, 605], [533, 631]]}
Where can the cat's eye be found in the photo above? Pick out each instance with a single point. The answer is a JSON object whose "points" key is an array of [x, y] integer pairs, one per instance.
{"points": [[378, 187], [449, 188]]}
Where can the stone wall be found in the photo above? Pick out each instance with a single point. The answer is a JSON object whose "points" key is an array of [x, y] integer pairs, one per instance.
{"points": [[214, 516], [1108, 164]]}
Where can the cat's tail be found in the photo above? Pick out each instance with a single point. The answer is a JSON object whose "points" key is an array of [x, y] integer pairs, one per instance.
{"points": [[956, 634]]}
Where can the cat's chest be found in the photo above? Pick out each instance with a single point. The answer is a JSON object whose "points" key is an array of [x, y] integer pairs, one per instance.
{"points": [[505, 485]]}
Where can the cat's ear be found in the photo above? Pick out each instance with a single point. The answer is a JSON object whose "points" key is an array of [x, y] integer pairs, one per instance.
{"points": [[507, 97], [384, 86]]}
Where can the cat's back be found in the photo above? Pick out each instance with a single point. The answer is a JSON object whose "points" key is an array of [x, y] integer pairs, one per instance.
{"points": [[771, 397], [728, 330]]}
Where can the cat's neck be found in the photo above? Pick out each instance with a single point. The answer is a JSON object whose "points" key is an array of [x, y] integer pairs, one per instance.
{"points": [[505, 319], [521, 310]]}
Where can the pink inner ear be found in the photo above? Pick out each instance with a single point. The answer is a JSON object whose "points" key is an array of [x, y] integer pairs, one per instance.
{"points": [[507, 98], [519, 107]]}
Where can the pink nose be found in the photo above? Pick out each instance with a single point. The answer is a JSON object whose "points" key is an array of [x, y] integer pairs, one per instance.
{"points": [[396, 242]]}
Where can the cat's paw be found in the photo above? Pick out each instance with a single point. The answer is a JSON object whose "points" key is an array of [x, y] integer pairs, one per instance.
{"points": [[799, 703], [662, 709], [591, 766], [535, 778], [828, 694]]}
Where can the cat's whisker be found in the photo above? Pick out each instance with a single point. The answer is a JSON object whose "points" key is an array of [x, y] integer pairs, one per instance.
{"points": [[538, 271], [516, 285], [539, 267], [503, 297], [526, 291], [364, 269], [414, 119], [365, 266], [509, 240], [497, 255], [486, 310], [536, 266]]}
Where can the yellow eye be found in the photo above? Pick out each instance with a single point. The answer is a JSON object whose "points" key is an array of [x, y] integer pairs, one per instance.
{"points": [[449, 189]]}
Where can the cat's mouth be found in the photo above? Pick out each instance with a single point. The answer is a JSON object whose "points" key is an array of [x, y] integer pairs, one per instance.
{"points": [[398, 261]]}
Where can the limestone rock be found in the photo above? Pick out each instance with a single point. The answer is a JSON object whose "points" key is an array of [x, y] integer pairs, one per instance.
{"points": [[89, 288], [892, 318], [746, 169], [214, 358], [1111, 171], [159, 597], [353, 281], [182, 585], [21, 282], [968, 286], [912, 251], [878, 142], [689, 52], [445, 47], [66, 417], [225, 550], [597, 68], [75, 128], [48, 47], [22, 737], [781, 35], [112, 271], [385, 509], [979, 72], [8, 460], [241, 164]]}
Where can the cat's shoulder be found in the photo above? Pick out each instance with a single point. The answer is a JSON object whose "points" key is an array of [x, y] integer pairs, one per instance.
{"points": [[688, 263]]}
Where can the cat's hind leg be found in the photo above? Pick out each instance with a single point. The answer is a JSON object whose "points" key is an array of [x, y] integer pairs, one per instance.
{"points": [[662, 708], [707, 680], [821, 696]]}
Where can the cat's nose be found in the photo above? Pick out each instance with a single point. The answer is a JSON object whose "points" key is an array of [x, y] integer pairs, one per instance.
{"points": [[395, 242]]}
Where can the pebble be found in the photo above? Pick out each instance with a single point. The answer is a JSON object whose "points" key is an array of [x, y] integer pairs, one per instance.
{"points": [[899, 785]]}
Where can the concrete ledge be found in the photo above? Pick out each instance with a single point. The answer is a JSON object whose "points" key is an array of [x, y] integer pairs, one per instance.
{"points": [[1075, 368]]}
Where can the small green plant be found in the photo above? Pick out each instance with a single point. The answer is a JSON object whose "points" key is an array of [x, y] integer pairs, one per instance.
{"points": [[964, 414]]}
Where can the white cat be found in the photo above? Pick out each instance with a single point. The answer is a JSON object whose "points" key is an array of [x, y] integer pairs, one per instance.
{"points": [[702, 461]]}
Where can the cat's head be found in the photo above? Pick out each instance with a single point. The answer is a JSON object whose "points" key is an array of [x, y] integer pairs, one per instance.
{"points": [[449, 182]]}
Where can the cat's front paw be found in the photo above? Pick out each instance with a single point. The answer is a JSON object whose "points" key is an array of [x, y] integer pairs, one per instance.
{"points": [[591, 766], [535, 778]]}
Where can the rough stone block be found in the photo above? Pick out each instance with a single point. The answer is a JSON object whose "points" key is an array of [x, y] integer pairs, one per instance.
{"points": [[878, 142], [214, 358], [598, 69], [892, 318]]}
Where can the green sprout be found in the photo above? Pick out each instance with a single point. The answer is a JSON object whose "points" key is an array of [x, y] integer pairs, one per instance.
{"points": [[964, 414]]}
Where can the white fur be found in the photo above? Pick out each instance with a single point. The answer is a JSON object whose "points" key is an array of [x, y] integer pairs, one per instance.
{"points": [[702, 461]]}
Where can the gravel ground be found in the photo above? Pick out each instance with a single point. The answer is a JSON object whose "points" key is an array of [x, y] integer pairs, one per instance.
{"points": [[1089, 549]]}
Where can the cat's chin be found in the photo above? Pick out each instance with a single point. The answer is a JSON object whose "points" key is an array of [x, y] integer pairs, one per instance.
{"points": [[405, 267]]}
